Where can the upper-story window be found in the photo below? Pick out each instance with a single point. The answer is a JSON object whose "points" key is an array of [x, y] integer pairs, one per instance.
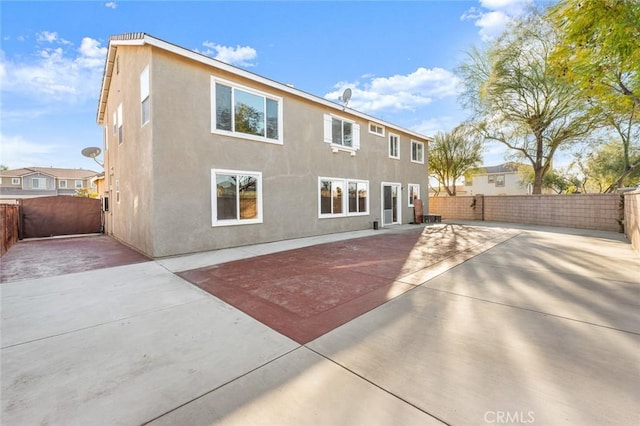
{"points": [[39, 183], [376, 129], [417, 152], [491, 179], [500, 180], [342, 132], [247, 113], [145, 109], [119, 124], [394, 146]]}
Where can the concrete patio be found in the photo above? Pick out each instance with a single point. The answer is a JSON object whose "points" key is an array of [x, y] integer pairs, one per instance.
{"points": [[461, 324]]}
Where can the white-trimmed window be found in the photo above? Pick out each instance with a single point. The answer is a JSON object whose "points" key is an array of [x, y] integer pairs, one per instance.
{"points": [[417, 152], [339, 197], [376, 129], [39, 183], [499, 180], [118, 191], [114, 123], [15, 181], [62, 184], [247, 113], [119, 124], [491, 179], [78, 184], [236, 197], [145, 108], [414, 192], [341, 132], [394, 146]]}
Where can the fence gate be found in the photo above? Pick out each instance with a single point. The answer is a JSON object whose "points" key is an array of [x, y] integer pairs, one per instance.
{"points": [[60, 215]]}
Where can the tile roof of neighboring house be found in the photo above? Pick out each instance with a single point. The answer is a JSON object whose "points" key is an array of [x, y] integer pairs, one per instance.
{"points": [[140, 39], [52, 171], [501, 168]]}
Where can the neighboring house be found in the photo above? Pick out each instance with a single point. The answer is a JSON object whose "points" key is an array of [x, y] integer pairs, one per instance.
{"points": [[496, 180], [441, 191], [201, 155], [32, 182]]}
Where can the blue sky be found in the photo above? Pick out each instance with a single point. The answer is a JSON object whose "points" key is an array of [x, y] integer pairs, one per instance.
{"points": [[398, 58]]}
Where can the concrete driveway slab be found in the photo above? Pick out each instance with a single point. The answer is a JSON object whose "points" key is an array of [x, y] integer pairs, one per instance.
{"points": [[120, 346], [45, 307], [596, 256], [300, 388], [467, 361], [36, 258]]}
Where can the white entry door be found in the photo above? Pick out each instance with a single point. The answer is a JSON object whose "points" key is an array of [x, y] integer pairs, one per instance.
{"points": [[391, 196]]}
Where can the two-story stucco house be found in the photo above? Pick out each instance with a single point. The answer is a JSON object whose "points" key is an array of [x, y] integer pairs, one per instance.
{"points": [[201, 155], [502, 179], [30, 182]]}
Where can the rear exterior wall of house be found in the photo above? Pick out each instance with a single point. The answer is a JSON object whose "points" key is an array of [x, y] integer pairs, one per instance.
{"points": [[170, 171]]}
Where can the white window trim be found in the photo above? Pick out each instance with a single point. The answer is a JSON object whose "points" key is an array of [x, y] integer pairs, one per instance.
{"points": [[240, 135], [61, 182], [39, 180], [144, 94], [214, 199], [75, 184], [409, 186], [328, 134], [417, 143], [377, 125], [389, 145], [345, 198], [119, 123], [15, 181]]}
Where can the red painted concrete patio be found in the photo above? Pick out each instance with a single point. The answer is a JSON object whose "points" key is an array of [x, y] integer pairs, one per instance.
{"points": [[38, 258], [307, 292]]}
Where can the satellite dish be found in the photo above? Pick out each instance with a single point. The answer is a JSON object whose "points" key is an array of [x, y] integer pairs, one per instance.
{"points": [[91, 152], [346, 96]]}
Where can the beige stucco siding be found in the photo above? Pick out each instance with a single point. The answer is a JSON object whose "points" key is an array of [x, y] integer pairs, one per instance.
{"points": [[167, 164], [130, 163]]}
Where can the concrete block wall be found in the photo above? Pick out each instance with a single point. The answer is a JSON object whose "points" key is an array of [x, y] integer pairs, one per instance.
{"points": [[632, 218], [586, 211], [453, 207]]}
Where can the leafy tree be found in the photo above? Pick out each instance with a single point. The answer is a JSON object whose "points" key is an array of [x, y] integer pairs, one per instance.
{"points": [[86, 193], [602, 168], [3, 167], [519, 100], [454, 154], [560, 181], [598, 50]]}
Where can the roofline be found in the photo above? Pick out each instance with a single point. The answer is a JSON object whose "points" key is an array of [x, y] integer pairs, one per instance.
{"points": [[140, 39]]}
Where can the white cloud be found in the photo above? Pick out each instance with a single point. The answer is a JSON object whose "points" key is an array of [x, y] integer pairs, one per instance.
{"points": [[16, 152], [55, 73], [494, 15], [111, 4], [50, 37], [46, 36], [399, 92], [239, 55]]}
